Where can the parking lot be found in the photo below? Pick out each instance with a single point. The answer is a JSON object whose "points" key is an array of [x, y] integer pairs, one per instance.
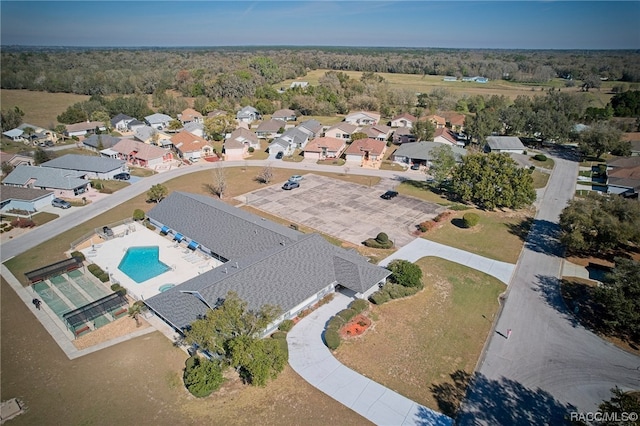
{"points": [[344, 210]]}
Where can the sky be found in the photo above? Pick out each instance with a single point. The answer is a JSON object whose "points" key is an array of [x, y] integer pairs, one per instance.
{"points": [[452, 24]]}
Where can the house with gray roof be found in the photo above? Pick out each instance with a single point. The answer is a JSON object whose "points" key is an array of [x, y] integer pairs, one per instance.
{"points": [[26, 199], [311, 127], [92, 167], [504, 144], [158, 121], [422, 152], [265, 263], [121, 122], [290, 140], [248, 114], [65, 183], [270, 129], [97, 143]]}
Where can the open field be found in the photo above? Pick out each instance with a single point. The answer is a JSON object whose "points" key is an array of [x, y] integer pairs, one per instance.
{"points": [[40, 108], [426, 83], [417, 343], [139, 382]]}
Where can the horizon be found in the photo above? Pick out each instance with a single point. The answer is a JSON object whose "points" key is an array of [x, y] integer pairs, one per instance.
{"points": [[494, 25]]}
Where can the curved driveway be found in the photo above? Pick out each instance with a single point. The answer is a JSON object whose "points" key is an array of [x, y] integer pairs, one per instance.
{"points": [[550, 366]]}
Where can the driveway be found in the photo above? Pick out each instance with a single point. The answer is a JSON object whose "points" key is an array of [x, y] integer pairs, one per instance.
{"points": [[311, 359], [345, 210]]}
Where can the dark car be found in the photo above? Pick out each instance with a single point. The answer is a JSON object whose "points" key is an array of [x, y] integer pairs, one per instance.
{"points": [[415, 166], [388, 195], [290, 185], [122, 176], [60, 203], [107, 231], [279, 155]]}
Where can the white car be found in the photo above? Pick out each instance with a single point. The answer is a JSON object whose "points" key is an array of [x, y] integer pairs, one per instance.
{"points": [[295, 178]]}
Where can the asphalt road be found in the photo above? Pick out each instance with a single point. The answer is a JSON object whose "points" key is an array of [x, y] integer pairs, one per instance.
{"points": [[550, 365]]}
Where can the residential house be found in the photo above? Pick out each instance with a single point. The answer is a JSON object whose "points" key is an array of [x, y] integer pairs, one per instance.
{"points": [[15, 135], [121, 122], [195, 128], [455, 120], [444, 135], [158, 121], [504, 144], [216, 113], [403, 120], [285, 114], [366, 152], [265, 263], [323, 148], [248, 115], [476, 79], [142, 154], [153, 136], [341, 131], [135, 125], [26, 199], [623, 176], [97, 143], [270, 129], [422, 152], [290, 140], [311, 127], [190, 115], [236, 146], [86, 127], [299, 84], [403, 135], [363, 118], [91, 167], [634, 140], [65, 183], [438, 121], [15, 159], [379, 132], [37, 135], [191, 147], [450, 78]]}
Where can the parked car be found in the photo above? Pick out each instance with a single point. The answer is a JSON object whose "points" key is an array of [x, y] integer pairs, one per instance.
{"points": [[122, 176], [290, 185], [389, 195], [415, 166], [279, 155], [295, 178], [60, 203], [107, 231]]}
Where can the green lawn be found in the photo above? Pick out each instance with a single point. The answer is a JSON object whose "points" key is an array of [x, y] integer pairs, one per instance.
{"points": [[547, 164], [422, 190], [540, 179], [418, 343]]}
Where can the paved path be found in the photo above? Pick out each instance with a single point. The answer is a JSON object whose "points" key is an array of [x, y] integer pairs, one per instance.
{"points": [[311, 359], [551, 365], [420, 248]]}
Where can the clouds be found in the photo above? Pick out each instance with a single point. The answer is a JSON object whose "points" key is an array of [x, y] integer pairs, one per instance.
{"points": [[528, 24]]}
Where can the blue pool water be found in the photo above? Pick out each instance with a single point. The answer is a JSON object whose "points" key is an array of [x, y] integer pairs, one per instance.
{"points": [[165, 287], [142, 263]]}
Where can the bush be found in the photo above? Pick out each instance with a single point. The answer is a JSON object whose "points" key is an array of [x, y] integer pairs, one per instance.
{"points": [[380, 297], [460, 207], [359, 305], [23, 223], [392, 291], [442, 216], [279, 335], [332, 339], [405, 273], [380, 241], [78, 254], [202, 377], [8, 228], [326, 299], [346, 314], [251, 149], [382, 238], [286, 325], [540, 157], [138, 214], [104, 277], [93, 268], [335, 323], [427, 225], [470, 220]]}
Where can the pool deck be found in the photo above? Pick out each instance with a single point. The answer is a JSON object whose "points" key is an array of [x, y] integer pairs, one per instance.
{"points": [[184, 263]]}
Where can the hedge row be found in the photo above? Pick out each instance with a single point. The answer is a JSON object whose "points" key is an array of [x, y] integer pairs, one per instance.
{"points": [[117, 288], [332, 339], [286, 325], [98, 273], [359, 305], [392, 291]]}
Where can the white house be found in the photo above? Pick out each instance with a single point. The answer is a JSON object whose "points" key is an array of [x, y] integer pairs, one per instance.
{"points": [[121, 122], [324, 147], [504, 144], [158, 121], [248, 115], [16, 135], [363, 118], [341, 131], [236, 146], [403, 120]]}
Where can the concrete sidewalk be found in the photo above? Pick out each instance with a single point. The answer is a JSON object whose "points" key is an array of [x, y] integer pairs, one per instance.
{"points": [[312, 360], [420, 248]]}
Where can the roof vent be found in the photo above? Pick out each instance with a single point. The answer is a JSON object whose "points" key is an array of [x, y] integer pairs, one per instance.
{"points": [[237, 267], [282, 243], [225, 270]]}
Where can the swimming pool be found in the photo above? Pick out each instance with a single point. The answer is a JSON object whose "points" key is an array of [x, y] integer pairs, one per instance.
{"points": [[142, 263]]}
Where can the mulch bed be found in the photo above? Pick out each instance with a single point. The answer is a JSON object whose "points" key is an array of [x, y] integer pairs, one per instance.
{"points": [[358, 325]]}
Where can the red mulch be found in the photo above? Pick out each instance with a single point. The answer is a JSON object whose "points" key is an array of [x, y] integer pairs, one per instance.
{"points": [[358, 325]]}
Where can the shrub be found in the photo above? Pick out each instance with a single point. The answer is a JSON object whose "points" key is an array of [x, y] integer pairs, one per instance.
{"points": [[286, 325], [93, 268], [532, 168], [540, 157], [397, 291], [138, 214], [427, 225], [359, 305], [347, 314], [459, 207], [405, 273], [151, 227], [380, 297], [382, 238], [202, 377], [326, 299], [23, 223], [251, 149], [104, 277], [8, 228], [470, 220], [279, 335], [335, 323], [78, 254], [380, 241], [332, 339]]}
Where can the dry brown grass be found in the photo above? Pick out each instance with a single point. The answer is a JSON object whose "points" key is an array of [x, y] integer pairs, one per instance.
{"points": [[40, 108]]}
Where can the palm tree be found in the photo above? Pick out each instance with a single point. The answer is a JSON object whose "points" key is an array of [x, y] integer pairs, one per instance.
{"points": [[134, 312]]}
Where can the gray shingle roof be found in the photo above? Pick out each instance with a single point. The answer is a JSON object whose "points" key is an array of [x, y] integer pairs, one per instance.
{"points": [[228, 231], [85, 163], [422, 150], [284, 275], [313, 126], [120, 117], [45, 177], [108, 141], [504, 142], [22, 194]]}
